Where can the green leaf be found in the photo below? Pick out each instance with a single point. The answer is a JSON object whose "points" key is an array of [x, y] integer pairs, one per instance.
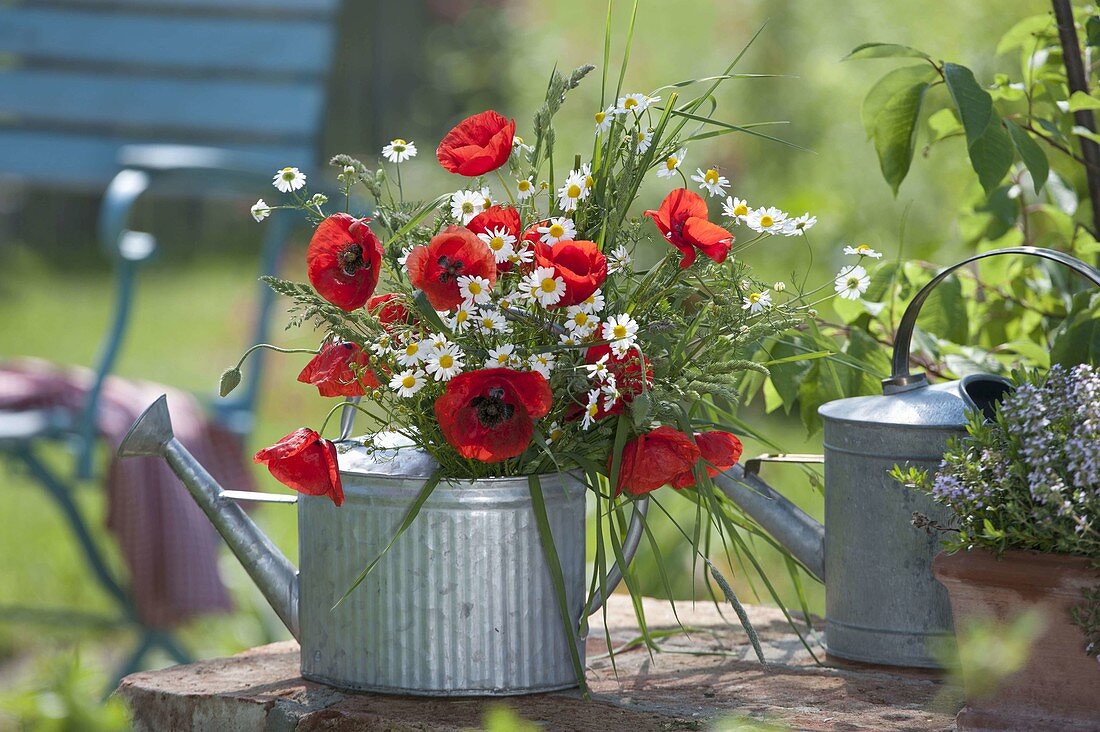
{"points": [[991, 155], [1032, 155], [944, 123], [1092, 32], [974, 103], [1077, 340], [890, 113], [1080, 100], [944, 313], [1024, 33], [429, 313], [550, 552], [1085, 132], [799, 357], [884, 50]]}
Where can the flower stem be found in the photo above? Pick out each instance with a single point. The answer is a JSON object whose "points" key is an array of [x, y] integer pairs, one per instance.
{"points": [[507, 189]]}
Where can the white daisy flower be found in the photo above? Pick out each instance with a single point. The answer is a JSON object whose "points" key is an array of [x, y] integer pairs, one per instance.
{"points": [[288, 179], [413, 353], [610, 395], [436, 342], [500, 243], [491, 321], [643, 139], [380, 347], [598, 371], [464, 317], [408, 382], [475, 289], [525, 255], [503, 357], [486, 198], [594, 303], [525, 188], [554, 432], [711, 181], [520, 147], [605, 119], [558, 229], [757, 302], [589, 182], [851, 282], [863, 250], [672, 164], [735, 208], [769, 220], [398, 151], [444, 363], [635, 102], [622, 331], [544, 286], [405, 252], [542, 363], [580, 320], [618, 259], [568, 339], [572, 191], [260, 210], [798, 225], [591, 409], [465, 205]]}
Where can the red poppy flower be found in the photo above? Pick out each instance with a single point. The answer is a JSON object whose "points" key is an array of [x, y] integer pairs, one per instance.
{"points": [[454, 252], [306, 462], [627, 370], [340, 369], [655, 459], [580, 263], [344, 260], [720, 452], [390, 310], [477, 145], [494, 218], [682, 218], [487, 414]]}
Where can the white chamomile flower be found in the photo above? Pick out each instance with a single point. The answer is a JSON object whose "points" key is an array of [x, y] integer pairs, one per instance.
{"points": [[465, 205], [635, 102], [736, 208], [413, 353], [605, 119], [398, 151], [519, 147], [525, 188], [610, 395], [851, 282], [408, 382], [464, 317], [542, 363], [798, 225], [260, 211], [438, 342], [711, 181], [572, 191], [591, 409], [405, 252], [672, 164], [568, 339], [500, 243], [757, 302], [589, 182], [522, 256], [289, 179], [766, 220], [544, 286], [475, 289], [503, 357], [554, 432], [863, 250], [622, 331], [491, 321], [380, 347], [643, 139], [598, 371], [444, 363], [618, 260], [594, 303], [580, 321], [558, 229]]}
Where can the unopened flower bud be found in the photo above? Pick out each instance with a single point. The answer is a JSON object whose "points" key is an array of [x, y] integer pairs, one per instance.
{"points": [[779, 286], [230, 379]]}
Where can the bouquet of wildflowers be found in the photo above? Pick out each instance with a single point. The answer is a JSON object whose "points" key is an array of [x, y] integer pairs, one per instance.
{"points": [[506, 328]]}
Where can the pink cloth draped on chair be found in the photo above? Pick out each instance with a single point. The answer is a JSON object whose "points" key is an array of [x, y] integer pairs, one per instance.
{"points": [[167, 543]]}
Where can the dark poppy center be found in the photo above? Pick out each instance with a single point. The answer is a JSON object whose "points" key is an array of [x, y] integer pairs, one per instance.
{"points": [[492, 410], [351, 258], [451, 268]]}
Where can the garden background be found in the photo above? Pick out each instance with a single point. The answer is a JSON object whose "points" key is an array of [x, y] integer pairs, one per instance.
{"points": [[411, 69]]}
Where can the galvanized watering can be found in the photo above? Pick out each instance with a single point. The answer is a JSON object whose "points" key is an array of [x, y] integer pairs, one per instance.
{"points": [[882, 603], [462, 604]]}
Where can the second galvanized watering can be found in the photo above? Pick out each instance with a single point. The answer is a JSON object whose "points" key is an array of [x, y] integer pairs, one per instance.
{"points": [[462, 604], [882, 603]]}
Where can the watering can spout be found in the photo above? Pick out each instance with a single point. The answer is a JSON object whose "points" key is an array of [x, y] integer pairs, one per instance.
{"points": [[800, 533], [151, 435]]}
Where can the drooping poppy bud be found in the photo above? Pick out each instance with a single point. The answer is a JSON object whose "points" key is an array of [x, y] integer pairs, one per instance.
{"points": [[306, 462]]}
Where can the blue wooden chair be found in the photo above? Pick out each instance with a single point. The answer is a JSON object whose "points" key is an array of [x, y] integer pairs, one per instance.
{"points": [[161, 97]]}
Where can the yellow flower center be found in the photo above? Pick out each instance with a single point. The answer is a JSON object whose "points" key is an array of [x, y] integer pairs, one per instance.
{"points": [[754, 297], [398, 142], [474, 288], [766, 221], [853, 283], [548, 285], [408, 382], [288, 174], [593, 409], [496, 243], [741, 209], [556, 230], [600, 117], [467, 207], [487, 323], [524, 186], [580, 318], [589, 181], [619, 331], [518, 140], [462, 316], [486, 203], [557, 434], [630, 103], [711, 176], [446, 361], [863, 248], [412, 349], [574, 191], [641, 137], [672, 162]]}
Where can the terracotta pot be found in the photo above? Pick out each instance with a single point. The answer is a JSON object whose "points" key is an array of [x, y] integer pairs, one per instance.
{"points": [[1059, 688]]}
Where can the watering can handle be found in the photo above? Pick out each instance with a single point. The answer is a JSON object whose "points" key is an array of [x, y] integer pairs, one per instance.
{"points": [[901, 379]]}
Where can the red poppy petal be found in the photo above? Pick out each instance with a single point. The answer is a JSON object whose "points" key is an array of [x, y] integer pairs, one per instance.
{"points": [[712, 239]]}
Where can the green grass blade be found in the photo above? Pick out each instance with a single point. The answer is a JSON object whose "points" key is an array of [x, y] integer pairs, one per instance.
{"points": [[419, 216], [737, 128], [626, 51], [606, 57]]}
